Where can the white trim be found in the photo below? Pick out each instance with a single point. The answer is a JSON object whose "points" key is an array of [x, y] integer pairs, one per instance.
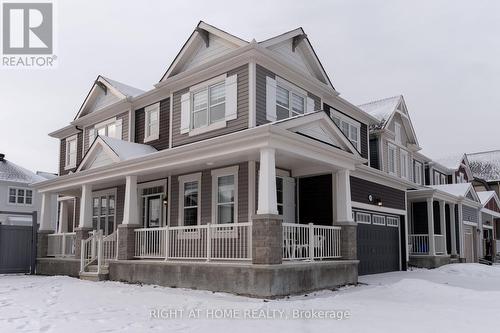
{"points": [[390, 147], [67, 165], [216, 173], [397, 220], [290, 86], [205, 84], [170, 130], [251, 189], [473, 224], [147, 112], [397, 133], [169, 203], [252, 93], [212, 127], [357, 214], [182, 180], [402, 153], [374, 216], [378, 209]]}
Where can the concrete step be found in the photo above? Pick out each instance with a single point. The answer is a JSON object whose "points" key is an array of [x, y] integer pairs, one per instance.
{"points": [[454, 261], [91, 276], [93, 269]]}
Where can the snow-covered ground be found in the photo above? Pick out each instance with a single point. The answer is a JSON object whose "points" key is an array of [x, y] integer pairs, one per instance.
{"points": [[458, 298]]}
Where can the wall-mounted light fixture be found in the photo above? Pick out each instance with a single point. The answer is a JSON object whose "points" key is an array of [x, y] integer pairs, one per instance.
{"points": [[165, 201], [378, 202]]}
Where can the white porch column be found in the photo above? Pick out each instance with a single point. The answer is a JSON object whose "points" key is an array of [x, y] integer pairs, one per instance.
{"points": [[453, 230], [267, 183], [430, 224], [86, 207], [63, 217], [46, 223], [130, 211], [442, 219], [343, 196], [461, 231]]}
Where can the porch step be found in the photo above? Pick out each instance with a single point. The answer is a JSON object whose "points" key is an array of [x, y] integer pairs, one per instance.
{"points": [[454, 260], [91, 276], [93, 269]]}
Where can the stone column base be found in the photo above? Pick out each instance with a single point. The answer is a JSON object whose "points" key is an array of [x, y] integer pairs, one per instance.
{"points": [[80, 234], [42, 243], [126, 241], [267, 239], [349, 240]]}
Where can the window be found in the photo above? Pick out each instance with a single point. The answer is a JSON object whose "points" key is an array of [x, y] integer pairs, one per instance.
{"points": [[71, 146], [350, 128], [289, 103], [378, 220], [279, 194], [189, 199], [461, 178], [443, 179], [397, 132], [152, 122], [20, 196], [418, 173], [404, 164], [364, 218], [392, 221], [209, 105], [225, 196], [436, 178], [391, 159]]}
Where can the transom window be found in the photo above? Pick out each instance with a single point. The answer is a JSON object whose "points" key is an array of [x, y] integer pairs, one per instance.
{"points": [[209, 105], [71, 146], [364, 218], [152, 125], [391, 159], [289, 103], [20, 196], [350, 128], [378, 220], [225, 199], [392, 221]]}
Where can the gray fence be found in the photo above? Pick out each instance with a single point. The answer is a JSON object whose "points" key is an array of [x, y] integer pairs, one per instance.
{"points": [[18, 246]]}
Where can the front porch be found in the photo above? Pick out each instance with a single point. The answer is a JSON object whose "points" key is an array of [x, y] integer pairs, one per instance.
{"points": [[238, 209]]}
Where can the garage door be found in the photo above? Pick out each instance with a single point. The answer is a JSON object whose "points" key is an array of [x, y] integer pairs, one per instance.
{"points": [[378, 243]]}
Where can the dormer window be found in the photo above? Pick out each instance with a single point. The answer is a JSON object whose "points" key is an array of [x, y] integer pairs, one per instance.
{"points": [[152, 122], [70, 156], [111, 128]]}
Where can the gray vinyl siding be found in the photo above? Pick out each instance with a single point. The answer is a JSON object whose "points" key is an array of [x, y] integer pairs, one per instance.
{"points": [[206, 196], [164, 127], [238, 124], [391, 197], [260, 91], [470, 214], [124, 116]]}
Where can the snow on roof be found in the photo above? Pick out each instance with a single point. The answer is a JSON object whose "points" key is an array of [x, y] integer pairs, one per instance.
{"points": [[457, 190], [46, 175], [126, 150], [11, 172], [485, 165], [485, 196], [381, 109], [125, 89], [450, 161]]}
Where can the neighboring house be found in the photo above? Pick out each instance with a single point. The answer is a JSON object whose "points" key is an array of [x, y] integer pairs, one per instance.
{"points": [[242, 153], [485, 168], [17, 193], [490, 216]]}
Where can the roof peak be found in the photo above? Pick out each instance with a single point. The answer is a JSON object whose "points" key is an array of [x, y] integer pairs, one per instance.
{"points": [[382, 100]]}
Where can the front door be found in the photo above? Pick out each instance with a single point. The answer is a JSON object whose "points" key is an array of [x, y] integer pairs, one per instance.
{"points": [[153, 210], [103, 213]]}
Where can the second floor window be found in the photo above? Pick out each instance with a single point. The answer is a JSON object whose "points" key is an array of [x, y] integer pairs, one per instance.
{"points": [[289, 103], [20, 196], [209, 105], [108, 129], [404, 164], [350, 128], [391, 159], [71, 146], [152, 122], [418, 173]]}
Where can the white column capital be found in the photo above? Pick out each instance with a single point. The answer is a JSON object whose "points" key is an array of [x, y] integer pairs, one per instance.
{"points": [[267, 203]]}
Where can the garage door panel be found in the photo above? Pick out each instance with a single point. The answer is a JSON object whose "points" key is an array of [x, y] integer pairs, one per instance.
{"points": [[378, 249]]}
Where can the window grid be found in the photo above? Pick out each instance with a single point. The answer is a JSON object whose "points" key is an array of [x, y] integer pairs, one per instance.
{"points": [[378, 220], [364, 218], [208, 105], [392, 221], [20, 196], [291, 101]]}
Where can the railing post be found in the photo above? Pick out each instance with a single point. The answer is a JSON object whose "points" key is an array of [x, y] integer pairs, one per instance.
{"points": [[166, 243], [311, 241], [209, 241], [99, 252], [82, 255], [63, 245], [116, 246]]}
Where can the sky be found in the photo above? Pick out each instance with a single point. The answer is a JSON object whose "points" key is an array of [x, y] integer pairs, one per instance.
{"points": [[442, 56]]}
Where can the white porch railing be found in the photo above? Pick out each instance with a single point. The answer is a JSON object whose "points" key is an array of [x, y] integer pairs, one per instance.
{"points": [[61, 245], [110, 247], [419, 243], [201, 242], [309, 241], [498, 245], [439, 244]]}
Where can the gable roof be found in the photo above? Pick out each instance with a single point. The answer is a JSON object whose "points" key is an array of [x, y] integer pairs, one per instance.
{"points": [[298, 40], [485, 165], [102, 85], [320, 127], [486, 196], [458, 190], [385, 109], [115, 149], [11, 172], [199, 37]]}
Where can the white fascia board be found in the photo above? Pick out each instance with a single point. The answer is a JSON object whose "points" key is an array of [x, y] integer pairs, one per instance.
{"points": [[374, 175], [222, 34], [281, 38], [342, 104], [65, 132], [103, 114], [490, 212]]}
